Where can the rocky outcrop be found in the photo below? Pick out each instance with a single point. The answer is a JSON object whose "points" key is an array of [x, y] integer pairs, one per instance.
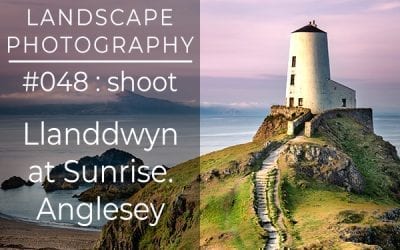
{"points": [[113, 157], [391, 215], [386, 236], [234, 167], [376, 158], [180, 213], [15, 182], [109, 192], [276, 122], [271, 126], [324, 163]]}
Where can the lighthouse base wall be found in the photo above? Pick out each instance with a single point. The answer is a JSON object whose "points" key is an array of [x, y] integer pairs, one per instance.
{"points": [[361, 115]]}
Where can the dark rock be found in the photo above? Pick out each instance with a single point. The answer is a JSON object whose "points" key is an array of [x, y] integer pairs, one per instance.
{"points": [[113, 157], [179, 207], [14, 182], [386, 236], [210, 175], [107, 190], [29, 183], [391, 215]]}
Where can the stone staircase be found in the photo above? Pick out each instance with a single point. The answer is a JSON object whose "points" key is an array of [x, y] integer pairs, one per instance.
{"points": [[267, 178]]}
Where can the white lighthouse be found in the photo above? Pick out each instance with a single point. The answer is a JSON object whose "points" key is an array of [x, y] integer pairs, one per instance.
{"points": [[309, 82]]}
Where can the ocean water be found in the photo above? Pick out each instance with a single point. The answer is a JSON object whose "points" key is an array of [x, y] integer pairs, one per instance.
{"points": [[216, 132], [16, 158], [388, 126], [25, 202]]}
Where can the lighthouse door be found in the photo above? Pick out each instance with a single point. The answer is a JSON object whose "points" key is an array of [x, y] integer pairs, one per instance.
{"points": [[291, 102]]}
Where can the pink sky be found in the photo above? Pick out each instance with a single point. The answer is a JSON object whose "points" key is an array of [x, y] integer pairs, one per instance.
{"points": [[249, 39], [245, 44]]}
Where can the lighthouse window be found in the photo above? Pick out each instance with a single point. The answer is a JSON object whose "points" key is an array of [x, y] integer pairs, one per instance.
{"points": [[300, 102], [293, 61], [291, 79], [343, 103]]}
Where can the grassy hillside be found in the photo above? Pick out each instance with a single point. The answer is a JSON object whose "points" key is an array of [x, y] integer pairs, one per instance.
{"points": [[318, 213], [376, 159], [315, 213], [225, 216], [210, 202]]}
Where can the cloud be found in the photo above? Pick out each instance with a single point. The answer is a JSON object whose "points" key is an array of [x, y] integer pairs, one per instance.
{"points": [[385, 6]]}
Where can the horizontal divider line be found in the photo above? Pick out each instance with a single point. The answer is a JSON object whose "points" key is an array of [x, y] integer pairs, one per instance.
{"points": [[101, 61]]}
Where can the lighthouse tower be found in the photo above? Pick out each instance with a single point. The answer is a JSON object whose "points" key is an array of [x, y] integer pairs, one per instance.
{"points": [[309, 82]]}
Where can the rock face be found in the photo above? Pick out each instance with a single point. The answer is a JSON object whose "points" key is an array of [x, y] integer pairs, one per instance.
{"points": [[276, 122], [180, 212], [391, 215], [107, 190], [15, 182], [324, 163], [376, 158], [272, 125], [386, 236]]}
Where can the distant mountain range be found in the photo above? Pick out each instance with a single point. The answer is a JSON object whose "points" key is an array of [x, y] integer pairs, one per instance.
{"points": [[125, 104]]}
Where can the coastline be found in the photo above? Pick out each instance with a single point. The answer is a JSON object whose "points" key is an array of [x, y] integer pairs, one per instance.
{"points": [[17, 234], [49, 224]]}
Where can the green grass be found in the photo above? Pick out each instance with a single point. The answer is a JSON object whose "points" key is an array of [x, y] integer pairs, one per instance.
{"points": [[228, 213], [220, 159], [369, 155], [225, 215], [315, 212], [224, 218], [316, 207]]}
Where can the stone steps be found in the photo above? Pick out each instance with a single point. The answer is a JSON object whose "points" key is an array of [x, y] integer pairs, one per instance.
{"points": [[261, 185]]}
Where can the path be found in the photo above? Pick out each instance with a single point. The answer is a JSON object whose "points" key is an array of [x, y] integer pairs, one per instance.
{"points": [[263, 177]]}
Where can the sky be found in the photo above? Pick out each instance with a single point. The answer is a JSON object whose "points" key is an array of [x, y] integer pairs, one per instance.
{"points": [[245, 44]]}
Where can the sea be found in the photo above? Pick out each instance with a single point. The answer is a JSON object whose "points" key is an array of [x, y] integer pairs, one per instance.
{"points": [[216, 132]]}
